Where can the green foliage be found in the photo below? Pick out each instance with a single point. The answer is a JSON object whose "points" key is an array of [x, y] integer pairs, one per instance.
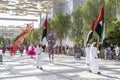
{"points": [[50, 25], [114, 34], [34, 37], [110, 14], [60, 24], [77, 28], [1, 41], [91, 10], [17, 37]]}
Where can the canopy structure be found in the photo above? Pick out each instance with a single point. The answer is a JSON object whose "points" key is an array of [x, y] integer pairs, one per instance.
{"points": [[23, 8], [27, 7]]}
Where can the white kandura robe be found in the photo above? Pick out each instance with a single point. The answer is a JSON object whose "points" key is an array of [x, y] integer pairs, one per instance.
{"points": [[87, 49], [39, 57], [94, 67]]}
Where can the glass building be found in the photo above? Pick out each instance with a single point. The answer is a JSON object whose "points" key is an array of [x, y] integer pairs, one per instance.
{"points": [[66, 6]]}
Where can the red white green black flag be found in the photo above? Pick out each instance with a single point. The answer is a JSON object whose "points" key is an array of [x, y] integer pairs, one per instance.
{"points": [[90, 34], [100, 27], [44, 35]]}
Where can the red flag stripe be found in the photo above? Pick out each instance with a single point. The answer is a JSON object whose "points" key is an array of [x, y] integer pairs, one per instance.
{"points": [[93, 25], [101, 15]]}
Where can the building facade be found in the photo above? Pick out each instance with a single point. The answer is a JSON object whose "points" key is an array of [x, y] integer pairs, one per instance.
{"points": [[66, 6]]}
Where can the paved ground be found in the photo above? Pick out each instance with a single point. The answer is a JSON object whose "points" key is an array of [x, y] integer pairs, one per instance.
{"points": [[64, 68]]}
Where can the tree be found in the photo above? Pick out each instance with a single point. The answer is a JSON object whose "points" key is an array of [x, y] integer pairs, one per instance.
{"points": [[114, 34], [77, 28], [61, 24], [91, 10], [2, 40], [34, 37], [50, 24]]}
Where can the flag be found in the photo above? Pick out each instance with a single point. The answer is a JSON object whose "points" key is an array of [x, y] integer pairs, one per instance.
{"points": [[90, 34], [28, 28], [44, 34], [100, 27]]}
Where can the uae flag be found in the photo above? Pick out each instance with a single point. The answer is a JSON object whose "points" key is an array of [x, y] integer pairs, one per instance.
{"points": [[44, 34], [90, 34], [100, 27]]}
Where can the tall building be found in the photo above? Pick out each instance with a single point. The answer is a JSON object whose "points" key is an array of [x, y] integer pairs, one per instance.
{"points": [[77, 3], [61, 7], [66, 6]]}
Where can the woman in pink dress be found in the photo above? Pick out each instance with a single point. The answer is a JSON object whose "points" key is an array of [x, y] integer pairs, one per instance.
{"points": [[31, 50]]}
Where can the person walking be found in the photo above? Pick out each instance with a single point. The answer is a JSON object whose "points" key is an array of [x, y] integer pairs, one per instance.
{"points": [[87, 49], [117, 51], [21, 48], [78, 52], [31, 50], [39, 57], [94, 67]]}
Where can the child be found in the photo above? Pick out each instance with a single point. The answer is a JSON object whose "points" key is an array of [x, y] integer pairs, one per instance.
{"points": [[39, 56]]}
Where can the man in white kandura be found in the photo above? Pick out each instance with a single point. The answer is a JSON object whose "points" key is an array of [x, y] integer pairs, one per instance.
{"points": [[94, 67], [87, 49], [39, 56]]}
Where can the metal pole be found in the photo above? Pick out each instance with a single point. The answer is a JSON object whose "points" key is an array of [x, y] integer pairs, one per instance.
{"points": [[40, 20]]}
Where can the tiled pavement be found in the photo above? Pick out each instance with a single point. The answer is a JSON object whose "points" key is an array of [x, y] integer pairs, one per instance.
{"points": [[64, 68]]}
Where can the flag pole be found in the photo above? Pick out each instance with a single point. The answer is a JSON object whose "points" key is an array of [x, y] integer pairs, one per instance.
{"points": [[98, 39]]}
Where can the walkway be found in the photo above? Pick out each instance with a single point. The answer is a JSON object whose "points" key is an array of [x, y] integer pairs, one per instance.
{"points": [[64, 68]]}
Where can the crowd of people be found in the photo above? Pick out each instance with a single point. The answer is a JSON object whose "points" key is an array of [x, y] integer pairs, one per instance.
{"points": [[113, 52], [91, 52]]}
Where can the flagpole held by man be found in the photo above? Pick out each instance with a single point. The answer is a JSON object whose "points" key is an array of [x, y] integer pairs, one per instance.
{"points": [[89, 37], [100, 30]]}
